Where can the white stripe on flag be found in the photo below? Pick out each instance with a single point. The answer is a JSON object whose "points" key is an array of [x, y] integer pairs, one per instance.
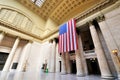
{"points": [[64, 42], [70, 29], [68, 40], [60, 43]]}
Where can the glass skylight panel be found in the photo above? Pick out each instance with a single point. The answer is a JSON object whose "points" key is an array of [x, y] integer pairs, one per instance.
{"points": [[38, 2]]}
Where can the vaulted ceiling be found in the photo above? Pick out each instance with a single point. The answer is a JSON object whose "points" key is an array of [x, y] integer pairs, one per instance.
{"points": [[61, 10]]}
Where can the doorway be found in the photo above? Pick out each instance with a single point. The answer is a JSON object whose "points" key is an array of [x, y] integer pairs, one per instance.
{"points": [[3, 58], [60, 65], [73, 66], [93, 66]]}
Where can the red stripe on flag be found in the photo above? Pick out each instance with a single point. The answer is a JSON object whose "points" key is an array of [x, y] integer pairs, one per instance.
{"points": [[62, 44], [59, 45], [76, 35], [71, 46], [68, 38], [72, 33], [69, 34]]}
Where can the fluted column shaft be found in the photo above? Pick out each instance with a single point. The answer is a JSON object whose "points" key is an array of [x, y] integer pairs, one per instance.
{"points": [[111, 44], [52, 65], [68, 66], [105, 71], [63, 65], [23, 60], [57, 60], [11, 55], [79, 59]]}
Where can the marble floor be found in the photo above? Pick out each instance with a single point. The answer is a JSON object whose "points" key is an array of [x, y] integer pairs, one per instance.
{"points": [[45, 76]]}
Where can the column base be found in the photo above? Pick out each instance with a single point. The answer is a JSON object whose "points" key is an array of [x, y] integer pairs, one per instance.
{"points": [[118, 76], [68, 72], [80, 75], [51, 72], [18, 75], [107, 77], [63, 73], [3, 75]]}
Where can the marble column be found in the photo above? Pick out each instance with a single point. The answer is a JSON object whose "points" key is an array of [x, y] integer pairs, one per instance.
{"points": [[57, 60], [15, 59], [49, 58], [110, 44], [24, 57], [11, 55], [63, 65], [104, 68], [2, 34], [85, 69], [53, 57], [68, 66], [79, 64]]}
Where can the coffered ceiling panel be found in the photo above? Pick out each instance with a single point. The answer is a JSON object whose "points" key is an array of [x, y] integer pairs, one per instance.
{"points": [[61, 10]]}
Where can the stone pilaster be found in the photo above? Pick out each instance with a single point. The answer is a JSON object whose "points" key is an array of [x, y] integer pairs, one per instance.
{"points": [[104, 68]]}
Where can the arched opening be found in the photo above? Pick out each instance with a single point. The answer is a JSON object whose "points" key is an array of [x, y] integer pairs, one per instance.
{"points": [[60, 65]]}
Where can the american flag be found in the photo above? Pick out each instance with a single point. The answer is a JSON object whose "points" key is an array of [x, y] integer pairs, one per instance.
{"points": [[67, 37]]}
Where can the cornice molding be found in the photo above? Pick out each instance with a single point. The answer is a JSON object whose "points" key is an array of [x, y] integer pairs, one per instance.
{"points": [[95, 9], [99, 13], [11, 26], [82, 16], [15, 9]]}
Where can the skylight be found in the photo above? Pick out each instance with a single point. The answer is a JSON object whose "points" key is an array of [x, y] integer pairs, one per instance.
{"points": [[39, 3]]}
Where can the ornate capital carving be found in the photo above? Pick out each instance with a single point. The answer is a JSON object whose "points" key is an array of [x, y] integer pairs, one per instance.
{"points": [[90, 23], [51, 41], [100, 18]]}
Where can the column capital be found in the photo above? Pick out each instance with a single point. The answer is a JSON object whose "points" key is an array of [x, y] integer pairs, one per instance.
{"points": [[30, 41], [18, 37], [90, 23], [51, 41], [2, 32], [100, 18]]}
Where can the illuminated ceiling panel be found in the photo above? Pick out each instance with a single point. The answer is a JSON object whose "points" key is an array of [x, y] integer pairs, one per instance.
{"points": [[39, 3]]}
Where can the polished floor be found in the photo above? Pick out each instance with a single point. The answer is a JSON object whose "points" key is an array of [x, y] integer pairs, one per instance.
{"points": [[45, 76]]}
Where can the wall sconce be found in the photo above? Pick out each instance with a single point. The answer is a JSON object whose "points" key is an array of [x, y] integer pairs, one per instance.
{"points": [[115, 52]]}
